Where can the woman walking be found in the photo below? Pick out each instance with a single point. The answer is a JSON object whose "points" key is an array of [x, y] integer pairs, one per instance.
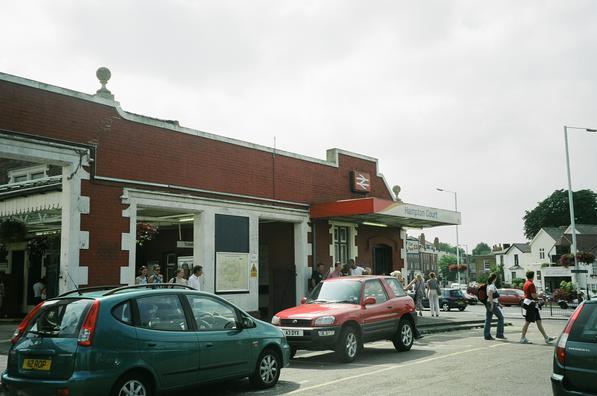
{"points": [[493, 308], [418, 286], [433, 292]]}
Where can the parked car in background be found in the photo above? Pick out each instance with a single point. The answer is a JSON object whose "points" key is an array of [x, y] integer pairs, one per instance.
{"points": [[510, 297], [574, 367], [448, 299], [342, 314], [139, 340]]}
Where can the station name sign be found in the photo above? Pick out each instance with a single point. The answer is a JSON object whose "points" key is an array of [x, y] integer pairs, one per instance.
{"points": [[422, 213]]}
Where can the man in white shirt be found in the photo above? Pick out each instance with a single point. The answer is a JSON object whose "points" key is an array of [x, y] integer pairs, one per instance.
{"points": [[355, 269], [195, 280]]}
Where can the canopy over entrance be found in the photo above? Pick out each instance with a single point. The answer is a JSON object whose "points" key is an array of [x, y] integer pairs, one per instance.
{"points": [[382, 212]]}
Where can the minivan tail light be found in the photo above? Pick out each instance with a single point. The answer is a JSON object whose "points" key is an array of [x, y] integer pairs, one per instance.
{"points": [[88, 328], [20, 330], [561, 347]]}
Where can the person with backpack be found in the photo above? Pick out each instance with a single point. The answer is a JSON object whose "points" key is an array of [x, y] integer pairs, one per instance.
{"points": [[433, 292], [492, 307]]}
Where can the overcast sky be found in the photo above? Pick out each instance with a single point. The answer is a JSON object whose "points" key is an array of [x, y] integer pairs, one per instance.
{"points": [[465, 95]]}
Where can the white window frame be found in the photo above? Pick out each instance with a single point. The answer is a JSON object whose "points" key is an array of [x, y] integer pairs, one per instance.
{"points": [[27, 172], [541, 253]]}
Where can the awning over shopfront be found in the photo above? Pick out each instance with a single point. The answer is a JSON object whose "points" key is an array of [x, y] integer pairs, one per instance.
{"points": [[384, 212]]}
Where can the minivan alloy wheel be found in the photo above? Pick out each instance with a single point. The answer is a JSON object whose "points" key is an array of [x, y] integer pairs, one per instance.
{"points": [[268, 369], [132, 387]]}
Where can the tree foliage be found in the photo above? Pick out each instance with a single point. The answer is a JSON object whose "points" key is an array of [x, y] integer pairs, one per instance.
{"points": [[481, 248], [554, 211], [444, 267]]}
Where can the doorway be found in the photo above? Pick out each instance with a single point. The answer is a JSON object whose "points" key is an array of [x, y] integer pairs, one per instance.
{"points": [[277, 273], [382, 260]]}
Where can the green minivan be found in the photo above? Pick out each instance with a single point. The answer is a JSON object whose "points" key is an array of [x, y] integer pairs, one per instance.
{"points": [[139, 340]]}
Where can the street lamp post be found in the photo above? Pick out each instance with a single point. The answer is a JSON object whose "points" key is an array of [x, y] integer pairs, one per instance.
{"points": [[457, 245], [570, 199]]}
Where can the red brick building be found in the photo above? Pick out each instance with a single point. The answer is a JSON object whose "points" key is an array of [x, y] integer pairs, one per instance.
{"points": [[81, 174]]}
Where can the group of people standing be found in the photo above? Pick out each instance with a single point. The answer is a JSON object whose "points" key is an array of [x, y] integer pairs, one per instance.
{"points": [[337, 271], [194, 281]]}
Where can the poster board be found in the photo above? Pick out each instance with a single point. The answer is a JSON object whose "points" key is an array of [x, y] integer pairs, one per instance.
{"points": [[232, 272]]}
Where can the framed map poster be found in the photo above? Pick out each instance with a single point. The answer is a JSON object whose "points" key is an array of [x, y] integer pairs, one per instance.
{"points": [[232, 272]]}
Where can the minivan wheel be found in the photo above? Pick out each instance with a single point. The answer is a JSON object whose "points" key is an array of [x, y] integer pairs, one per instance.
{"points": [[349, 345], [267, 370], [445, 307], [133, 384], [403, 340]]}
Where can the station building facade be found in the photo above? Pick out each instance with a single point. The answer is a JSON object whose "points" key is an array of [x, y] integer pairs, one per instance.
{"points": [[89, 193]]}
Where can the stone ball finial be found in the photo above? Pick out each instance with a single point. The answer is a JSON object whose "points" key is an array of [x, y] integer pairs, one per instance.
{"points": [[103, 74], [397, 190]]}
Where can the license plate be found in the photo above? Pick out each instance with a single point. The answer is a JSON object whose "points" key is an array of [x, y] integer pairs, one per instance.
{"points": [[37, 364], [293, 332]]}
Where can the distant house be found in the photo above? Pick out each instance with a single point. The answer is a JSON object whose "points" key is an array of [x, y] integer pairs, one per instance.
{"points": [[544, 252], [517, 258], [421, 257]]}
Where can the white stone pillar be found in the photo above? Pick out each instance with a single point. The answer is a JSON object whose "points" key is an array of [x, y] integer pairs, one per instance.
{"points": [[204, 249], [301, 251], [72, 239]]}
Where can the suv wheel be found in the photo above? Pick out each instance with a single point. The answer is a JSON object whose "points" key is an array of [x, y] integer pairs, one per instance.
{"points": [[349, 345], [445, 307], [133, 384], [403, 340], [267, 370]]}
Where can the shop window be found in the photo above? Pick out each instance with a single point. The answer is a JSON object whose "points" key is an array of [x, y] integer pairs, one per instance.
{"points": [[341, 244]]}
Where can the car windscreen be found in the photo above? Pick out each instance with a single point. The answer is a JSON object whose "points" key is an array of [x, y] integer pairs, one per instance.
{"points": [[585, 326], [336, 292], [456, 293], [59, 318]]}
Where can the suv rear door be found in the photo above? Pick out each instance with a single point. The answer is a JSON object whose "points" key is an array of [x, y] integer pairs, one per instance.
{"points": [[581, 352], [49, 345]]}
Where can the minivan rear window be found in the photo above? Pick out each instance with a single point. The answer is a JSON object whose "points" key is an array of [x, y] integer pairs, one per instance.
{"points": [[59, 318], [585, 326]]}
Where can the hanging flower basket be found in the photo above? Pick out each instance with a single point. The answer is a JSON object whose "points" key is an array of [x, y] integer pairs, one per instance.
{"points": [[566, 260], [462, 267], [12, 230], [145, 232], [38, 246], [585, 257], [453, 267]]}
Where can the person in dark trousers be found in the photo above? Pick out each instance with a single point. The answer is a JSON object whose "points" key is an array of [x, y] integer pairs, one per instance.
{"points": [[492, 307], [531, 310]]}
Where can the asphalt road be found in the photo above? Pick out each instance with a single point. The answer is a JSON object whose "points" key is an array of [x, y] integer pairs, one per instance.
{"points": [[454, 363]]}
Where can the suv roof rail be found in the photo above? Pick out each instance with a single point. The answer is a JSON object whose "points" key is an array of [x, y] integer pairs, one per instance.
{"points": [[88, 289], [148, 286]]}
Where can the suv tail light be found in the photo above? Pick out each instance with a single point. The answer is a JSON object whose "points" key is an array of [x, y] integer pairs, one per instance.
{"points": [[88, 328], [561, 347], [20, 330]]}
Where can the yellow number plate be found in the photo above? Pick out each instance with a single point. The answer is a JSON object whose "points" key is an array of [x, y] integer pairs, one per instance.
{"points": [[37, 364]]}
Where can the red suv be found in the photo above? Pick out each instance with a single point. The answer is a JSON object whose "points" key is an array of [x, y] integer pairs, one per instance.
{"points": [[343, 313]]}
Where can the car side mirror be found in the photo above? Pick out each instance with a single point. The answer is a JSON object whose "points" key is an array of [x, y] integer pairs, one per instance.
{"points": [[247, 323], [303, 300], [369, 301]]}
